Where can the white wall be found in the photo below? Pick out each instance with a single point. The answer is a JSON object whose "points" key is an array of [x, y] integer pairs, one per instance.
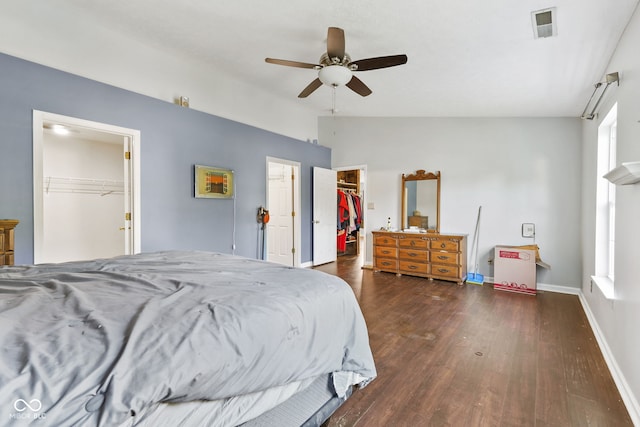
{"points": [[110, 57], [616, 319], [519, 170], [80, 222]]}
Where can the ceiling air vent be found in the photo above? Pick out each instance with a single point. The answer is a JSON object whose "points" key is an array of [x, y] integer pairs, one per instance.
{"points": [[544, 23]]}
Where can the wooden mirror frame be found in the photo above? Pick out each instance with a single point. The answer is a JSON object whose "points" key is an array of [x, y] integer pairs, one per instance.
{"points": [[420, 175]]}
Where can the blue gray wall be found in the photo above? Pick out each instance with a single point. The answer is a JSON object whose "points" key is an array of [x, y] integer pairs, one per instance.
{"points": [[173, 140]]}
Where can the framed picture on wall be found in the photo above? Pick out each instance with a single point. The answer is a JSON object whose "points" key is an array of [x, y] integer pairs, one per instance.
{"points": [[213, 183]]}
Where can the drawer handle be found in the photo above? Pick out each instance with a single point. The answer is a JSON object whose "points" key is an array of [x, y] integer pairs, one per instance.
{"points": [[412, 267], [386, 263], [413, 243], [443, 270], [444, 245], [443, 257], [386, 252], [413, 254]]}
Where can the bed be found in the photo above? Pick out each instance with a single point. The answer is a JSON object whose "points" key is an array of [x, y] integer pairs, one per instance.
{"points": [[177, 338]]}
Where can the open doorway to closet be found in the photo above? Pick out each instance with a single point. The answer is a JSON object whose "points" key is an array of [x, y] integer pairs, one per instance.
{"points": [[86, 195], [283, 203], [351, 182]]}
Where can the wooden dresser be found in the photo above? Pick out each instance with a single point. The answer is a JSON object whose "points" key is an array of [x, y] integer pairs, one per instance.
{"points": [[431, 255], [6, 240]]}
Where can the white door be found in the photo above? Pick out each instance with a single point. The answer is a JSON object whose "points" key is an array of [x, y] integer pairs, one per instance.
{"points": [[86, 199], [324, 216], [283, 203]]}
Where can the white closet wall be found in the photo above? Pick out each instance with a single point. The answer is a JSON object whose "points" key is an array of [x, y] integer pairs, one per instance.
{"points": [[83, 198]]}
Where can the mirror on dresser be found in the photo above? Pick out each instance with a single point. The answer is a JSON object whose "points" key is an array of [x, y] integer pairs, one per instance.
{"points": [[421, 200]]}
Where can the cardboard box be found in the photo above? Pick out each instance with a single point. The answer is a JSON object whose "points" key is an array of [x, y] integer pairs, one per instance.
{"points": [[515, 269]]}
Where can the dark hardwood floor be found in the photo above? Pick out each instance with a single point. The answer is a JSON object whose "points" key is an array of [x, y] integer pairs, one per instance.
{"points": [[450, 355]]}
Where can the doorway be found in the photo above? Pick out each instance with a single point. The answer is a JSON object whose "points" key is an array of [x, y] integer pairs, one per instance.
{"points": [[86, 194], [283, 203], [351, 184]]}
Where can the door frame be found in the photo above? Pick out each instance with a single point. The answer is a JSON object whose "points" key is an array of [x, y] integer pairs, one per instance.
{"points": [[39, 119], [296, 192]]}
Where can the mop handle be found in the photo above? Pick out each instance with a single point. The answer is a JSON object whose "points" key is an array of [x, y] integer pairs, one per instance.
{"points": [[476, 239]]}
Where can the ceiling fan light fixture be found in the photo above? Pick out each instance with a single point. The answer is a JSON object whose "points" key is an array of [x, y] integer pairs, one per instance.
{"points": [[336, 69], [335, 75]]}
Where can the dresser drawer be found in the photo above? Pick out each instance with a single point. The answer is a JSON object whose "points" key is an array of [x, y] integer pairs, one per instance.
{"points": [[451, 271], [449, 258], [429, 255], [445, 245], [411, 254], [414, 267], [9, 239], [386, 264], [386, 252], [415, 243], [386, 241]]}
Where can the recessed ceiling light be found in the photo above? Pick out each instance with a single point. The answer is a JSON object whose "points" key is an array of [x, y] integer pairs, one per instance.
{"points": [[60, 130]]}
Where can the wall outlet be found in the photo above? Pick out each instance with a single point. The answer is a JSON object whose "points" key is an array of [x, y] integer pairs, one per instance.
{"points": [[528, 229]]}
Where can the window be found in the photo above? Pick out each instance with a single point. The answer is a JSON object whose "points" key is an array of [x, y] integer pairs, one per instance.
{"points": [[606, 205]]}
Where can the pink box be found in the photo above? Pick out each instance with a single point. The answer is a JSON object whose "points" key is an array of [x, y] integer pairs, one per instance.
{"points": [[515, 270]]}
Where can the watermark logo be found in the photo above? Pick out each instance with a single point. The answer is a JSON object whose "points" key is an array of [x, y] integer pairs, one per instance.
{"points": [[27, 410], [22, 405]]}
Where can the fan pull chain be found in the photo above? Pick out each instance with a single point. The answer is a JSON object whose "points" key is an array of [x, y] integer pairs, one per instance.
{"points": [[333, 100]]}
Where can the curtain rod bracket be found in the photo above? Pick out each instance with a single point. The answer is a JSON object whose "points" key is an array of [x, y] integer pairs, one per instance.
{"points": [[609, 78]]}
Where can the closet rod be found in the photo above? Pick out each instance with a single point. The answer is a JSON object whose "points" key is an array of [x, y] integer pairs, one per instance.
{"points": [[55, 184]]}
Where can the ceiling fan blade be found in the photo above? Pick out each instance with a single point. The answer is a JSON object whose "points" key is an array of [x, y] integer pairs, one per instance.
{"points": [[291, 63], [310, 88], [379, 62], [335, 43], [356, 85]]}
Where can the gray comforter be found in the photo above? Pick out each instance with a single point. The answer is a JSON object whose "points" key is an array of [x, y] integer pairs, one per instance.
{"points": [[98, 342]]}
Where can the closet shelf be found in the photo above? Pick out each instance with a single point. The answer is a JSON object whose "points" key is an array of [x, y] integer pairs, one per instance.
{"points": [[625, 174], [103, 187]]}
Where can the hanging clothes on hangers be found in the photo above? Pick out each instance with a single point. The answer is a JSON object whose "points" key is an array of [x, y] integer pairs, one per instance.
{"points": [[349, 217]]}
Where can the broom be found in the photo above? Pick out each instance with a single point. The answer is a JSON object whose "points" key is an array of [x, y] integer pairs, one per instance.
{"points": [[476, 278]]}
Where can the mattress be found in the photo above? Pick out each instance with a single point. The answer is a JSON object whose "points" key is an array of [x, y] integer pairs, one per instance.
{"points": [[259, 409], [108, 342]]}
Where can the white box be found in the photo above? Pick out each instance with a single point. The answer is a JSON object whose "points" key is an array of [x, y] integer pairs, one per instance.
{"points": [[515, 269]]}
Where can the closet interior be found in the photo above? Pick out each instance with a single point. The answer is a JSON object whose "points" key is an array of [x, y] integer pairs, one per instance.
{"points": [[350, 207]]}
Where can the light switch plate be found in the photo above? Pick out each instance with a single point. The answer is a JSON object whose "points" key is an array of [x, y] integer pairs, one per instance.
{"points": [[528, 229]]}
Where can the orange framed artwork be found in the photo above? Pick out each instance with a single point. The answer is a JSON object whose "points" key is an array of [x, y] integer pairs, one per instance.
{"points": [[213, 183]]}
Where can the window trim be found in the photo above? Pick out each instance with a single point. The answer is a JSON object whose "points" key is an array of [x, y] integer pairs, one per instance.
{"points": [[604, 276]]}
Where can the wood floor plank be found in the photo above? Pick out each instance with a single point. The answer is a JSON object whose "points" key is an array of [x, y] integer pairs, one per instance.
{"points": [[470, 355]]}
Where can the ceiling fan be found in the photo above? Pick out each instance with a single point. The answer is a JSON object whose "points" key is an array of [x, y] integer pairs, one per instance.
{"points": [[336, 68]]}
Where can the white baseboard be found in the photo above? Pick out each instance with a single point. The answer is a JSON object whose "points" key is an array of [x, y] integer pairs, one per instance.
{"points": [[559, 289], [626, 393]]}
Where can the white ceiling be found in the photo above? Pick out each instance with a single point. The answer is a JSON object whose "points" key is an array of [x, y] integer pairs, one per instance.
{"points": [[466, 58]]}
